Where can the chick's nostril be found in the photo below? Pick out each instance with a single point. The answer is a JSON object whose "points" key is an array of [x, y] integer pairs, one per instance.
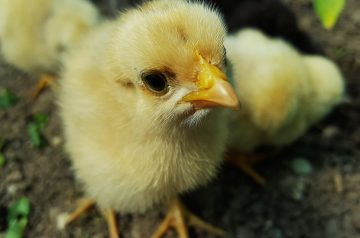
{"points": [[205, 80]]}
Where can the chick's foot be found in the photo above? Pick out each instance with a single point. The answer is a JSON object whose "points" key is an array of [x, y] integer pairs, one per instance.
{"points": [[45, 80], [179, 218], [84, 207], [245, 163]]}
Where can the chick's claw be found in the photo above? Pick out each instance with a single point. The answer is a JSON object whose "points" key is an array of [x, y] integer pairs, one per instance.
{"points": [[179, 217], [45, 80], [84, 207]]}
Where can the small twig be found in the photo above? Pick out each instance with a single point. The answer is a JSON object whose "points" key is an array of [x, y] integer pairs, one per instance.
{"points": [[338, 182]]}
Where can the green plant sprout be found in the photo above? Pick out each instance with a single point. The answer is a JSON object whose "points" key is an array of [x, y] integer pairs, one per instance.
{"points": [[7, 99], [18, 213], [328, 11]]}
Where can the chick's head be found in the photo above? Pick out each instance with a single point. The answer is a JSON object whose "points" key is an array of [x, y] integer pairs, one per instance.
{"points": [[167, 59]]}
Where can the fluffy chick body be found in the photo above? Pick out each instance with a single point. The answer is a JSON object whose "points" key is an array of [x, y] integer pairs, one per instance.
{"points": [[130, 149], [35, 34], [282, 91]]}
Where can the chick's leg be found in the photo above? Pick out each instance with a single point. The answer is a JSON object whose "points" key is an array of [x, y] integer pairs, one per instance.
{"points": [[245, 163], [45, 80], [84, 207], [178, 217], [111, 221]]}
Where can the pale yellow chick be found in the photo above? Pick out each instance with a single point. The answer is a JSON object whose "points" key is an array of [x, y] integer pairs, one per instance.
{"points": [[282, 92], [137, 100], [35, 34]]}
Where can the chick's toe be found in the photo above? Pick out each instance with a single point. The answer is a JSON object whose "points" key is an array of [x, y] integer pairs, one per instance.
{"points": [[84, 207], [179, 218]]}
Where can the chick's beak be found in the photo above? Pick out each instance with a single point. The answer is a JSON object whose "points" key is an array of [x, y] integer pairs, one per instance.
{"points": [[213, 89]]}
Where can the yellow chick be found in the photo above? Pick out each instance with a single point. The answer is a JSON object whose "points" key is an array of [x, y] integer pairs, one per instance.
{"points": [[282, 92], [137, 101], [34, 34]]}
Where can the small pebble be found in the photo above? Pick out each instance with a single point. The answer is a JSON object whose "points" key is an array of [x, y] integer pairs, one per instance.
{"points": [[294, 187], [61, 221], [301, 166], [338, 183], [356, 16], [11, 189], [56, 141], [299, 189], [330, 132]]}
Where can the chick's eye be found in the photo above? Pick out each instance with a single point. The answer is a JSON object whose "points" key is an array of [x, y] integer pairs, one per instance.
{"points": [[155, 82]]}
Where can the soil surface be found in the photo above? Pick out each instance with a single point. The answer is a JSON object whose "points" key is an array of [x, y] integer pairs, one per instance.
{"points": [[321, 201]]}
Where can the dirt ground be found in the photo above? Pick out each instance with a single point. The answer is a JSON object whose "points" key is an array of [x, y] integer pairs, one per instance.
{"points": [[321, 203]]}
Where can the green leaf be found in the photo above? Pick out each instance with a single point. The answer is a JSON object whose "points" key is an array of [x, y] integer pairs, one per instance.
{"points": [[16, 228], [19, 208], [18, 213], [2, 160], [340, 52], [40, 120], [34, 134], [7, 99], [328, 11]]}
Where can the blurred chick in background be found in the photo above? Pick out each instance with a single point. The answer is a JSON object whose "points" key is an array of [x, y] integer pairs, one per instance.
{"points": [[137, 102], [272, 17], [35, 34], [282, 92]]}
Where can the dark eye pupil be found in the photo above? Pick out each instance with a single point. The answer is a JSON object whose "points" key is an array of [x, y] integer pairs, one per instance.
{"points": [[156, 82]]}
